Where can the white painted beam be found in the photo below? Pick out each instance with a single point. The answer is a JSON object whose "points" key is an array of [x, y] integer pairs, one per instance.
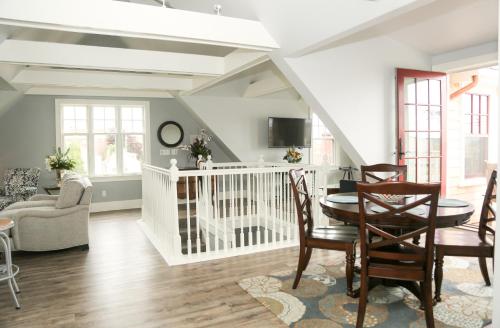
{"points": [[482, 55], [81, 56], [107, 80], [135, 20], [96, 92], [265, 86], [235, 62]]}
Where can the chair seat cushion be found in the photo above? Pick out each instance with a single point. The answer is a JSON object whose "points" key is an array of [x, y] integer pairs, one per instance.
{"points": [[458, 237], [339, 233]]}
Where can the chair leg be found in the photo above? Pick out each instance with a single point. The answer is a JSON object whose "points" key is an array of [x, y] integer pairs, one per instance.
{"points": [[484, 270], [363, 299], [16, 287], [300, 266], [349, 270], [308, 257], [13, 292], [426, 288], [438, 275]]}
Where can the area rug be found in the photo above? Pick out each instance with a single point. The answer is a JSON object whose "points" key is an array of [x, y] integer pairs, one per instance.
{"points": [[320, 300]]}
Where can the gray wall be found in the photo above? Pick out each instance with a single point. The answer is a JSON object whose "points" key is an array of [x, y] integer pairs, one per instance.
{"points": [[27, 136]]}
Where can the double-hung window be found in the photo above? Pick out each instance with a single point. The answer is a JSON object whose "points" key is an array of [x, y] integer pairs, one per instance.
{"points": [[322, 143], [108, 139]]}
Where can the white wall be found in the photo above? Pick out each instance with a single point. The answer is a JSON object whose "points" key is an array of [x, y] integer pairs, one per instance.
{"points": [[241, 123], [352, 88]]}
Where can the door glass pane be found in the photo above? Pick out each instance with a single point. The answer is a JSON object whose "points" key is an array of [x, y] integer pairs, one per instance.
{"points": [[423, 170], [435, 92], [423, 92], [410, 118], [435, 118], [423, 144], [105, 154], [423, 118], [410, 144], [435, 170], [410, 88], [133, 153], [78, 152], [435, 144], [411, 163]]}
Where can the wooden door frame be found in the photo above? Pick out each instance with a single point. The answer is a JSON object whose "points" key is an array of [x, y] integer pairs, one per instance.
{"points": [[401, 73]]}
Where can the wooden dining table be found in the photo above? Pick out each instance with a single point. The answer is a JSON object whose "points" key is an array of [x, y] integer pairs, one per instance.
{"points": [[349, 213]]}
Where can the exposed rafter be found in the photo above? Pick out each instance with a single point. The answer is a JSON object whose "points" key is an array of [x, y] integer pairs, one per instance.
{"points": [[105, 58], [108, 17], [107, 80]]}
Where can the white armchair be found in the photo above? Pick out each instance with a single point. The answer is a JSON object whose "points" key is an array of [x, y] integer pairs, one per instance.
{"points": [[46, 222]]}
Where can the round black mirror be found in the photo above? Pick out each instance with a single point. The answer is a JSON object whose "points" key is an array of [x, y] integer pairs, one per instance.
{"points": [[170, 134]]}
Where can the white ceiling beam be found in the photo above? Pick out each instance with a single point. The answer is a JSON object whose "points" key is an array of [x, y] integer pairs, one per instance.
{"points": [[265, 86], [105, 58], [95, 92], [95, 79], [135, 20], [236, 62], [478, 56]]}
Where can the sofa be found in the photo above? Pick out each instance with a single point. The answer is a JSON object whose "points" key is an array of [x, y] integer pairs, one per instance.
{"points": [[18, 185], [52, 222]]}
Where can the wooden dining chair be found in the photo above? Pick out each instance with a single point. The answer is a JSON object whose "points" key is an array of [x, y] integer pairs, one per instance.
{"points": [[369, 171], [339, 238], [469, 243], [391, 256]]}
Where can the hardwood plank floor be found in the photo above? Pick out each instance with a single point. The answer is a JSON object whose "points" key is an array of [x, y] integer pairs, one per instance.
{"points": [[122, 281]]}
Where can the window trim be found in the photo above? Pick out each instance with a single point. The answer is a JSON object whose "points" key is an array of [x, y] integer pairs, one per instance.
{"points": [[59, 103]]}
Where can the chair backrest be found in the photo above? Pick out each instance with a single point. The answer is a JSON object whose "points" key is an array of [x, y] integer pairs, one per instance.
{"points": [[87, 192], [488, 214], [415, 217], [302, 201], [399, 172], [20, 177]]}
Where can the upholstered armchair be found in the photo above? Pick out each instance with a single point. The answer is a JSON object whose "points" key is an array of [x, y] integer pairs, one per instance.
{"points": [[18, 185], [52, 222]]}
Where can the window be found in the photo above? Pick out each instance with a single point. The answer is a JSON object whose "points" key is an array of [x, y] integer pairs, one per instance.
{"points": [[476, 110], [322, 142], [106, 138]]}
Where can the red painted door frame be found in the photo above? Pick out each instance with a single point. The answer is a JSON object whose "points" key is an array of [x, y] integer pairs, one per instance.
{"points": [[401, 74]]}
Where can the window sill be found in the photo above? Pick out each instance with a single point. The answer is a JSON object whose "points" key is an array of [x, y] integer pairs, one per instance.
{"points": [[134, 177]]}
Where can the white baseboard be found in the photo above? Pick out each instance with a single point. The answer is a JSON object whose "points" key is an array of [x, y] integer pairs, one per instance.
{"points": [[116, 205]]}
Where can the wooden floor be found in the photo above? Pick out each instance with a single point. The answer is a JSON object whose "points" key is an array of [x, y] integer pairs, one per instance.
{"points": [[122, 281]]}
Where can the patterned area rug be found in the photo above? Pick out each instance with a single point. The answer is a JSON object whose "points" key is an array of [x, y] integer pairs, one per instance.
{"points": [[320, 300]]}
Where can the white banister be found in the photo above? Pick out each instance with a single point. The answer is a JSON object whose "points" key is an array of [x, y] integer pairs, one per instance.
{"points": [[224, 209]]}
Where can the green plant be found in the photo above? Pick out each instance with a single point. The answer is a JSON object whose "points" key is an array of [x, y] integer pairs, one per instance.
{"points": [[60, 160], [199, 146]]}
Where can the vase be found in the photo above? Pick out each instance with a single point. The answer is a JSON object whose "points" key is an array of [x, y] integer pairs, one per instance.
{"points": [[59, 174]]}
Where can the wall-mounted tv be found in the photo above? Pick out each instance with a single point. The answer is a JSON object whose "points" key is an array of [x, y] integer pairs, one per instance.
{"points": [[288, 132]]}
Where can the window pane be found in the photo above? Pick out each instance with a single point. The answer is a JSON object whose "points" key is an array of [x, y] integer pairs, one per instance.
{"points": [[74, 119], [423, 118], [484, 105], [104, 119], [475, 124], [423, 92], [78, 151], [423, 170], [435, 92], [133, 153], [484, 124], [475, 104], [410, 90], [105, 162], [435, 170], [132, 119]]}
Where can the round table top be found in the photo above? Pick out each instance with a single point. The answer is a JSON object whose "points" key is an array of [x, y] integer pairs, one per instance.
{"points": [[446, 216], [5, 224]]}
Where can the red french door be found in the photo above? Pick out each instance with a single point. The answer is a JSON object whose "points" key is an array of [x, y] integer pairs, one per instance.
{"points": [[421, 127]]}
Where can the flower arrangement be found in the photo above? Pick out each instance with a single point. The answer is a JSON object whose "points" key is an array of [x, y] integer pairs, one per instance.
{"points": [[199, 146], [60, 161], [293, 155]]}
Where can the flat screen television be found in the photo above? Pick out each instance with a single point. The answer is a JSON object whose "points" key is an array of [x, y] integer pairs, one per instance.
{"points": [[288, 132]]}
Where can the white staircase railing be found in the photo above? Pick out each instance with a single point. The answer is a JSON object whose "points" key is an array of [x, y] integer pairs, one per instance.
{"points": [[224, 209]]}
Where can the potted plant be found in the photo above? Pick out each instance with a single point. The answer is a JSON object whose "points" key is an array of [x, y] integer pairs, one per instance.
{"points": [[199, 146], [293, 155], [60, 161]]}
